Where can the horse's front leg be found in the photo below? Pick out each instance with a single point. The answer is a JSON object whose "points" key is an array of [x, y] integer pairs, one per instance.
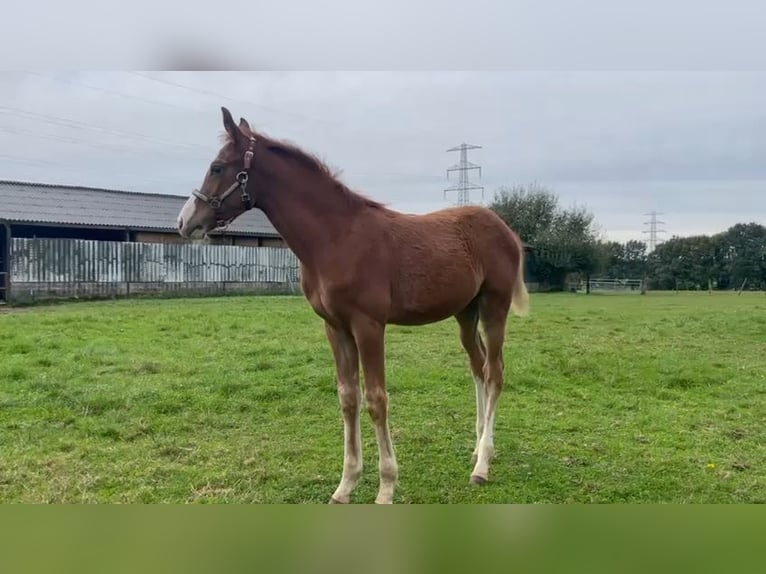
{"points": [[369, 335], [350, 396]]}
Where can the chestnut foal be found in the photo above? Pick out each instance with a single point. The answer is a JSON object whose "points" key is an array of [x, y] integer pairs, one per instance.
{"points": [[364, 266]]}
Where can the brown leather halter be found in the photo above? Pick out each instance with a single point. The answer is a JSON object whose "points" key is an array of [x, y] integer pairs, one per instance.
{"points": [[215, 203]]}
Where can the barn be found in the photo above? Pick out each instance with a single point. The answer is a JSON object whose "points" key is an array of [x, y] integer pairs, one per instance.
{"points": [[59, 240], [59, 211], [82, 242]]}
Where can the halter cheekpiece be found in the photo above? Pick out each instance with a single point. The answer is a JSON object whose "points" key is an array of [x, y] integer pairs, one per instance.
{"points": [[215, 203]]}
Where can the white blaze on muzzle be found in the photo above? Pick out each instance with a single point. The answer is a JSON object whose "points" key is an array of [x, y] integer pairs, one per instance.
{"points": [[188, 216]]}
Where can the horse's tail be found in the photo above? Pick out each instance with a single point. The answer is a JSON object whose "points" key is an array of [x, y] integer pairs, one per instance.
{"points": [[520, 295]]}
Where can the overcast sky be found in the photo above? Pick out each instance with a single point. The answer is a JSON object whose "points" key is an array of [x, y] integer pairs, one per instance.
{"points": [[688, 144]]}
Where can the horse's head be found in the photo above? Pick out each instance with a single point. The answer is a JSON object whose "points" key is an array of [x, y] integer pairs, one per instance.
{"points": [[225, 193]]}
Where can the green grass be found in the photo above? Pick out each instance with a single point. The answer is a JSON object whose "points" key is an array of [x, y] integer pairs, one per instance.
{"points": [[657, 398]]}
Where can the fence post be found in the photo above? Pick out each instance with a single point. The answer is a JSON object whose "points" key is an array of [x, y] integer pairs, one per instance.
{"points": [[742, 286], [5, 260], [125, 268]]}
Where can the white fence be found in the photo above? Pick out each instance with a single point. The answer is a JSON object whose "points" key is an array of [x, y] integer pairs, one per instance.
{"points": [[610, 286], [82, 268]]}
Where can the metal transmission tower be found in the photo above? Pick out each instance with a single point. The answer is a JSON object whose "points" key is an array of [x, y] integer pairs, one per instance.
{"points": [[653, 230], [464, 185]]}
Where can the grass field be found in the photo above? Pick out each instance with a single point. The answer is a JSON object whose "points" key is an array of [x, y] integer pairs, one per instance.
{"points": [[657, 398]]}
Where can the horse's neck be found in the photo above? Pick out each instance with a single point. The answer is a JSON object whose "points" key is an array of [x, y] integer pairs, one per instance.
{"points": [[306, 217]]}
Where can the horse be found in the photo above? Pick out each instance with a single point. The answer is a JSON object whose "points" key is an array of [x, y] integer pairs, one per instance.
{"points": [[364, 266]]}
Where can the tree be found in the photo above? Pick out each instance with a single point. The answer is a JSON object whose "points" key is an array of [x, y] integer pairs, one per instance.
{"points": [[683, 263], [622, 261], [742, 255], [530, 211], [634, 259], [723, 260], [563, 240]]}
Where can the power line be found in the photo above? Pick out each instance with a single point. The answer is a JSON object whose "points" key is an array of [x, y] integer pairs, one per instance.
{"points": [[117, 93], [75, 124], [98, 146], [464, 185], [653, 230], [229, 98], [164, 183]]}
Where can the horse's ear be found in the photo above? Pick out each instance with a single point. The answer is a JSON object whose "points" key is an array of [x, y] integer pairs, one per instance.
{"points": [[245, 127], [231, 127]]}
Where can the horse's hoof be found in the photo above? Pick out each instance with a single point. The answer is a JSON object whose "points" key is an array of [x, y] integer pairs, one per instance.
{"points": [[478, 480], [334, 500]]}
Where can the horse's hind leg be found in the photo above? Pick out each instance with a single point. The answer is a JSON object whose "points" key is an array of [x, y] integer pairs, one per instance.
{"points": [[493, 311], [468, 320]]}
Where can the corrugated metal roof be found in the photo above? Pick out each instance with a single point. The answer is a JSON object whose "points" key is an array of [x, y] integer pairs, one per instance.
{"points": [[62, 204]]}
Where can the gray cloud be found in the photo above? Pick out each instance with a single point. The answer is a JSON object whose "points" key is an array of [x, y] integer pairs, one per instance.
{"points": [[689, 144], [430, 34]]}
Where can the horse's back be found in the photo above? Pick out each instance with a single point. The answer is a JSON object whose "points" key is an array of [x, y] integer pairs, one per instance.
{"points": [[473, 233], [441, 260]]}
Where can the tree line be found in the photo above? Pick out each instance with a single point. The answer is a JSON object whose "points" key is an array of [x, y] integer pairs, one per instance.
{"points": [[566, 245]]}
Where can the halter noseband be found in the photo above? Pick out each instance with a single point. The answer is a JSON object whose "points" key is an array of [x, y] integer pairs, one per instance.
{"points": [[215, 203]]}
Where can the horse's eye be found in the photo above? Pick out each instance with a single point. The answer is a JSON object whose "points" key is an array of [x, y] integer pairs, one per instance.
{"points": [[216, 170]]}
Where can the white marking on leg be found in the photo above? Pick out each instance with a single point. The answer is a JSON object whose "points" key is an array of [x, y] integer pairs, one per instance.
{"points": [[387, 465], [369, 336], [352, 450], [486, 446], [480, 402]]}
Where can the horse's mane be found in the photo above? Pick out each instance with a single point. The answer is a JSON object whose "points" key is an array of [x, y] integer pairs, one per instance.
{"points": [[315, 165]]}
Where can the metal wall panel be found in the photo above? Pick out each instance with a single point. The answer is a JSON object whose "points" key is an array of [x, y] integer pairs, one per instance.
{"points": [[77, 267]]}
